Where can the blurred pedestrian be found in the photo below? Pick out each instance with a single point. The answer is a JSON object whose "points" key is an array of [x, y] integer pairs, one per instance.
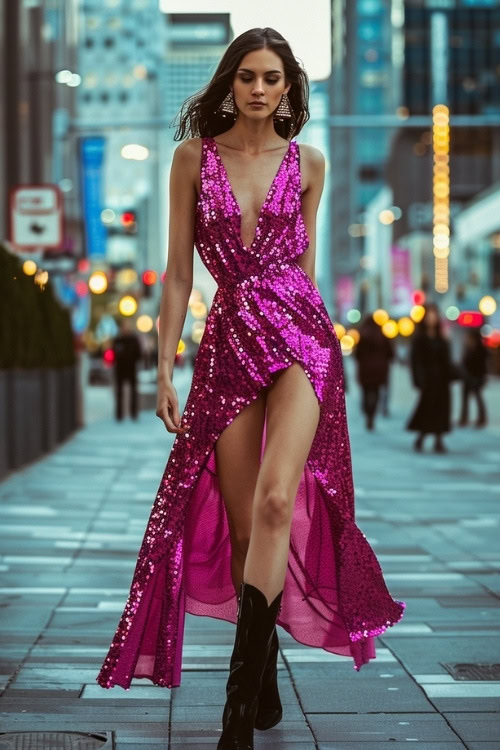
{"points": [[373, 353], [432, 371], [474, 371], [127, 352]]}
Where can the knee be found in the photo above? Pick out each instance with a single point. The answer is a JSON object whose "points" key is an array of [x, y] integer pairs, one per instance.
{"points": [[273, 510]]}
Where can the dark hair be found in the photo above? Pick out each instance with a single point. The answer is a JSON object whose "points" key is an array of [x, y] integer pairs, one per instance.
{"points": [[198, 115], [422, 325]]}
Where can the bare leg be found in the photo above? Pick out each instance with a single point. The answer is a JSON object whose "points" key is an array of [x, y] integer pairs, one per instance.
{"points": [[291, 421], [237, 455]]}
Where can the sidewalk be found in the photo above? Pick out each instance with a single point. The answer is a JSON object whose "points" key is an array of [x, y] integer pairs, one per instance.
{"points": [[70, 529]]}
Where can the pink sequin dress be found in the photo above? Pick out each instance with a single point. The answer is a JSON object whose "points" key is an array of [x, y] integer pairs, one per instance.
{"points": [[266, 313]]}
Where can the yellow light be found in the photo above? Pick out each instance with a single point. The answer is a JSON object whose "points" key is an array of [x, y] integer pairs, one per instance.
{"points": [[380, 317], [198, 309], [441, 252], [417, 312], [441, 241], [127, 306], [487, 305], [195, 296], [339, 330], [354, 334], [386, 216], [346, 343], [406, 326], [126, 277], [29, 267], [144, 323], [440, 229], [41, 278], [197, 331], [390, 329], [181, 346], [98, 282], [440, 109]]}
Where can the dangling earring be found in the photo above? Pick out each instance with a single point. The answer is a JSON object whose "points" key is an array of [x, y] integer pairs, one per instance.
{"points": [[227, 106], [284, 110]]}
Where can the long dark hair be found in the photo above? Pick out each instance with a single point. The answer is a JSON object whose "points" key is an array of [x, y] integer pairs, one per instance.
{"points": [[422, 327], [198, 115]]}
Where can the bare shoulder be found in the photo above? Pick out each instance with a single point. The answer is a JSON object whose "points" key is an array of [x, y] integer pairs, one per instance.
{"points": [[187, 153], [312, 162]]}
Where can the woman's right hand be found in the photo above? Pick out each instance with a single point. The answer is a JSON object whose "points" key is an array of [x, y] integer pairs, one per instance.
{"points": [[167, 407]]}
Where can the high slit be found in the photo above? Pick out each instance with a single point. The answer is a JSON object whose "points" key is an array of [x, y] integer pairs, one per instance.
{"points": [[265, 315]]}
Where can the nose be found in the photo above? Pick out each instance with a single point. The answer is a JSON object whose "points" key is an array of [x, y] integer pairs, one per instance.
{"points": [[258, 88]]}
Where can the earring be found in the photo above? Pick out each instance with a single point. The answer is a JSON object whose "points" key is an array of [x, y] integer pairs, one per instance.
{"points": [[284, 110], [228, 105]]}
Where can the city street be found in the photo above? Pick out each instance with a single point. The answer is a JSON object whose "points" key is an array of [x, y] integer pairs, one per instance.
{"points": [[71, 525]]}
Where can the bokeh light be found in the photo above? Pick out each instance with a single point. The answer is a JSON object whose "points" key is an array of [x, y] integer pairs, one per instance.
{"points": [[487, 305], [181, 346], [339, 330], [406, 326], [353, 316], [452, 312], [127, 305], [380, 317], [417, 313], [98, 282], [346, 343], [29, 267], [354, 334], [144, 323], [390, 329]]}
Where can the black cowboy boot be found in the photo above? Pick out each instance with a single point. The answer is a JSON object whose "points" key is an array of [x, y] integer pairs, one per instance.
{"points": [[270, 710], [254, 631]]}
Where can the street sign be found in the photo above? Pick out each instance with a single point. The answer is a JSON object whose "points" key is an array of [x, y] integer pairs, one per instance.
{"points": [[36, 217]]}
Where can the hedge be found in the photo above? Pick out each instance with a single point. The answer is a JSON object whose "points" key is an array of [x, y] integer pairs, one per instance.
{"points": [[35, 329]]}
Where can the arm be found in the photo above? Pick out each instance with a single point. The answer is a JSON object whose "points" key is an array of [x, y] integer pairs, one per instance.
{"points": [[179, 275], [313, 172]]}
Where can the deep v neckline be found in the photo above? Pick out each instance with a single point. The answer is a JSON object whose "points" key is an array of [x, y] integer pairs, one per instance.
{"points": [[235, 200]]}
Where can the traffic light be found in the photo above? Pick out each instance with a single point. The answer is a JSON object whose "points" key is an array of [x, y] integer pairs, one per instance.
{"points": [[128, 221], [149, 279]]}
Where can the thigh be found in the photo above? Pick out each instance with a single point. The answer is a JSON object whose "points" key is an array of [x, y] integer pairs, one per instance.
{"points": [[237, 457], [292, 416]]}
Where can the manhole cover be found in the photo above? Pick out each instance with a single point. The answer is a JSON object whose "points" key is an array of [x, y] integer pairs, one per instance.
{"points": [[53, 741], [472, 671]]}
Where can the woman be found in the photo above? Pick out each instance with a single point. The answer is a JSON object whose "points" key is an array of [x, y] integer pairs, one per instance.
{"points": [[432, 371], [373, 354], [258, 486], [474, 373]]}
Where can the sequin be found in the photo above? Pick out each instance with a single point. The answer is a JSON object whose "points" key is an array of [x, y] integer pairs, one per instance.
{"points": [[265, 315]]}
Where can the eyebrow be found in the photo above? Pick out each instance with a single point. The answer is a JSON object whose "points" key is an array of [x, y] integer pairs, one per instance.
{"points": [[247, 70]]}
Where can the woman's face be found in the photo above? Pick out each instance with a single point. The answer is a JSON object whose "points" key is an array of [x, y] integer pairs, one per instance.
{"points": [[431, 317], [260, 76]]}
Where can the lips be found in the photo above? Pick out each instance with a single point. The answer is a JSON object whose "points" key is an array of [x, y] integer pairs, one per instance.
{"points": [[261, 104]]}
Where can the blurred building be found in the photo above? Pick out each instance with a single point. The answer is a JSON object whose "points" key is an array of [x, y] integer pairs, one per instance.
{"points": [[366, 82], [37, 45], [118, 119], [451, 57], [195, 42]]}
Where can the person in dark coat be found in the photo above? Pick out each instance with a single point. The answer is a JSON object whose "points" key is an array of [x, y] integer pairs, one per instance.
{"points": [[373, 353], [474, 371], [432, 372], [127, 352]]}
